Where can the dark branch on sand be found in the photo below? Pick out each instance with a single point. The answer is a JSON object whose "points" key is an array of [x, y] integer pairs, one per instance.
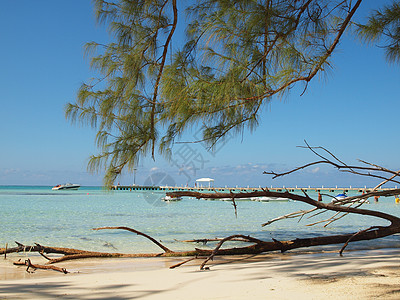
{"points": [[138, 233], [29, 265]]}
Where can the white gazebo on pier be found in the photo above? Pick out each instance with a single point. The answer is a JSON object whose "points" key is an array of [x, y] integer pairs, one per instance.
{"points": [[205, 180]]}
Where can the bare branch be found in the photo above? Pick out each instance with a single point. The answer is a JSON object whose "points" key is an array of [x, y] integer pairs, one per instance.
{"points": [[214, 252], [289, 216], [29, 265], [138, 233], [354, 235]]}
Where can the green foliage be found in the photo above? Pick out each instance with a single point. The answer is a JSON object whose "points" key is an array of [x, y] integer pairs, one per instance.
{"points": [[384, 25], [237, 56]]}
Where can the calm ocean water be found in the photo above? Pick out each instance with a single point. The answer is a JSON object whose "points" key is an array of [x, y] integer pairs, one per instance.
{"points": [[65, 219]]}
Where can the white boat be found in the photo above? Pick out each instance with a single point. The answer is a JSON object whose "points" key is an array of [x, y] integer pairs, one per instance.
{"points": [[338, 198], [270, 199], [67, 186], [171, 199]]}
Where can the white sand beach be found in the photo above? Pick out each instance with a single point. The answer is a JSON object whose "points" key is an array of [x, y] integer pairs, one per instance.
{"points": [[373, 274]]}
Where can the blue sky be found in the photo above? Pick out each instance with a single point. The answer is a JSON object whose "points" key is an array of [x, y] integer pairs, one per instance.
{"points": [[353, 110]]}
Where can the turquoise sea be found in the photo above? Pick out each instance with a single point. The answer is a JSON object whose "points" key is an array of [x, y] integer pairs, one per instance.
{"points": [[36, 214]]}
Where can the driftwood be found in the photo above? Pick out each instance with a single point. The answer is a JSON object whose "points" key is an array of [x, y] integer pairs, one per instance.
{"points": [[138, 233], [29, 265], [341, 208], [371, 233], [69, 253], [182, 263]]}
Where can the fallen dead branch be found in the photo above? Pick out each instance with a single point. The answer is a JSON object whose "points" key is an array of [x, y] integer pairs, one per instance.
{"points": [[182, 263], [215, 251], [257, 247], [70, 253], [138, 233], [357, 233], [341, 208], [29, 265]]}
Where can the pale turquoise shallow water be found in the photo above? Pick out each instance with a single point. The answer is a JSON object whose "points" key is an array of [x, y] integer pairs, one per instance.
{"points": [[66, 218]]}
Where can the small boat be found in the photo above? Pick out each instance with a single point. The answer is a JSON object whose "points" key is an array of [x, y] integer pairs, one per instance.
{"points": [[171, 199], [338, 198], [67, 186], [270, 199]]}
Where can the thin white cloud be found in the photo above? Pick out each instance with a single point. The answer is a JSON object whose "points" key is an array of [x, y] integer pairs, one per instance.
{"points": [[315, 170]]}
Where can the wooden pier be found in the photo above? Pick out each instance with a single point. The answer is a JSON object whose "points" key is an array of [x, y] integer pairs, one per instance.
{"points": [[241, 189]]}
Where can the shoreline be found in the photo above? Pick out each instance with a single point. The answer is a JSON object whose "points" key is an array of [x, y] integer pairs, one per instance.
{"points": [[356, 275]]}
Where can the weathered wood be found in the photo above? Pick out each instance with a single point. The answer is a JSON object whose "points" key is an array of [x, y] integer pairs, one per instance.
{"points": [[258, 247], [215, 251], [354, 235], [29, 265], [182, 263], [138, 233]]}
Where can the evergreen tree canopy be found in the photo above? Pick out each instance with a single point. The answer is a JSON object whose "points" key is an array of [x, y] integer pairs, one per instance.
{"points": [[384, 25], [237, 55]]}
